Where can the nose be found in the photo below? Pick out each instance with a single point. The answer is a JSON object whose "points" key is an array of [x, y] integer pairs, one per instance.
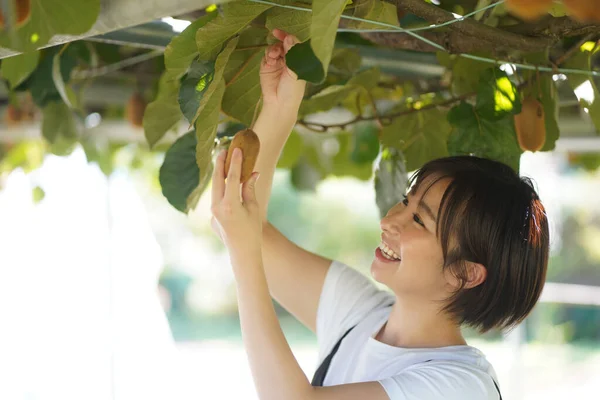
{"points": [[392, 222]]}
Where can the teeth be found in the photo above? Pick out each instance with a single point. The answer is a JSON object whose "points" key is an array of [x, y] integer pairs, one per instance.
{"points": [[388, 253]]}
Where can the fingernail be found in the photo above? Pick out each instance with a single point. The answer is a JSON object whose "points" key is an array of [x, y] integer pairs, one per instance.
{"points": [[238, 152], [257, 176]]}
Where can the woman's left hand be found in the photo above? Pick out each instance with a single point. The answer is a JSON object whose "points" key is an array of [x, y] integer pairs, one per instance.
{"points": [[236, 219]]}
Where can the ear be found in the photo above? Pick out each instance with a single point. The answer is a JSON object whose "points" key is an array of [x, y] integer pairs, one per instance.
{"points": [[476, 273]]}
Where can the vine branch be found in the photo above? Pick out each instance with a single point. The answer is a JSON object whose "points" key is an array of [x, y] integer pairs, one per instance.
{"points": [[469, 35]]}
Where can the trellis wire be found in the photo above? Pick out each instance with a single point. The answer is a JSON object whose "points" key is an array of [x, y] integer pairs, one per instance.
{"points": [[437, 46]]}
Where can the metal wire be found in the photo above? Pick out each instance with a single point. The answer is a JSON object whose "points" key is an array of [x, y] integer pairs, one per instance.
{"points": [[435, 45]]}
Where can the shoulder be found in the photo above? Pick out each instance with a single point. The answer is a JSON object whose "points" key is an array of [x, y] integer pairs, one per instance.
{"points": [[347, 297], [439, 380]]}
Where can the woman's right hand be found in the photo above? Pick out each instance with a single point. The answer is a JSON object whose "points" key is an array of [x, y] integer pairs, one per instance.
{"points": [[281, 89]]}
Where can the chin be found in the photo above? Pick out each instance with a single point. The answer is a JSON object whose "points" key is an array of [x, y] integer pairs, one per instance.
{"points": [[378, 274]]}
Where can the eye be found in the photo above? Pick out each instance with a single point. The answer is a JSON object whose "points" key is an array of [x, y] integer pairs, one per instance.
{"points": [[418, 220], [416, 217]]}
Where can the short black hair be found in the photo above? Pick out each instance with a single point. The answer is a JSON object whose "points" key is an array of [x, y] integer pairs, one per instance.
{"points": [[491, 216]]}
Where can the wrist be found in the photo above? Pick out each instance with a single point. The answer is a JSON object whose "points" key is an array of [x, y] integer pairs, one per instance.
{"points": [[279, 115]]}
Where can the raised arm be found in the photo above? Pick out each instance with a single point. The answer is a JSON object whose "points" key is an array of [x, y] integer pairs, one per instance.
{"points": [[295, 276]]}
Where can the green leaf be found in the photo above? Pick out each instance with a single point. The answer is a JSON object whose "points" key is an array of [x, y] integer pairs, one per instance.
{"points": [[206, 128], [163, 114], [41, 82], [27, 154], [342, 163], [549, 100], [326, 99], [182, 49], [304, 176], [49, 18], [587, 161], [391, 180], [374, 10], [366, 79], [194, 86], [292, 151], [345, 62], [421, 136], [294, 22], [302, 60], [582, 60], [333, 95], [220, 63], [235, 16], [231, 129], [58, 122], [325, 20], [497, 96], [17, 68], [38, 194], [465, 75], [179, 174], [474, 134], [365, 144], [242, 76], [68, 96]]}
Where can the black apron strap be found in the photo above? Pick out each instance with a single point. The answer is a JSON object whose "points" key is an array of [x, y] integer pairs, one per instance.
{"points": [[321, 372]]}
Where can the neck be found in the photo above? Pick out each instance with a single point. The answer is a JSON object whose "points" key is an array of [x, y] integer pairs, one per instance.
{"points": [[413, 326]]}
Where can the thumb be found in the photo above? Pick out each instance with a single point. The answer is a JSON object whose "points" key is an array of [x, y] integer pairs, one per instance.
{"points": [[248, 190]]}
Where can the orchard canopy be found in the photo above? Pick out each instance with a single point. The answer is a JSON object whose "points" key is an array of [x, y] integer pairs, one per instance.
{"points": [[392, 84]]}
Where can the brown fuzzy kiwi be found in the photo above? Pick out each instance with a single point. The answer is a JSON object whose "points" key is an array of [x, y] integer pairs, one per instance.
{"points": [[583, 10], [248, 142], [529, 9], [530, 125], [135, 110], [22, 9], [13, 116]]}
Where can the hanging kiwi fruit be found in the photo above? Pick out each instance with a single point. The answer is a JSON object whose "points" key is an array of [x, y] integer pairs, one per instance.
{"points": [[248, 142], [529, 9], [135, 110], [583, 10], [22, 10], [530, 125]]}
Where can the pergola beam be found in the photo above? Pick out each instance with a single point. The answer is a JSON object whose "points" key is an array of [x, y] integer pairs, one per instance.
{"points": [[119, 14]]}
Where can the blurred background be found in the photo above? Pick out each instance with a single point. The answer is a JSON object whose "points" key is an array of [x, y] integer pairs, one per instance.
{"points": [[106, 291]]}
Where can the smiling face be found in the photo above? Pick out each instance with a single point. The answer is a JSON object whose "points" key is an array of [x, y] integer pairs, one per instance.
{"points": [[409, 236]]}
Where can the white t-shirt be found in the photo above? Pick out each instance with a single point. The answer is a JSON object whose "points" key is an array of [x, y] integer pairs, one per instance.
{"points": [[349, 298]]}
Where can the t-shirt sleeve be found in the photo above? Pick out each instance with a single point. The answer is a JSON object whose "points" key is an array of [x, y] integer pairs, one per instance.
{"points": [[446, 382], [347, 297]]}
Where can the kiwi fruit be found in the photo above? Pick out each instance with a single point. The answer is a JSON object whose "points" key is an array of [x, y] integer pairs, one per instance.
{"points": [[530, 125], [529, 9], [22, 10], [248, 142], [135, 110]]}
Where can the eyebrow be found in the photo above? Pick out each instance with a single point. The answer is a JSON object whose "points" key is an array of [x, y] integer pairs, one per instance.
{"points": [[427, 210]]}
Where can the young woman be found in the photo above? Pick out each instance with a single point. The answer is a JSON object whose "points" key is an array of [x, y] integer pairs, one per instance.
{"points": [[468, 245]]}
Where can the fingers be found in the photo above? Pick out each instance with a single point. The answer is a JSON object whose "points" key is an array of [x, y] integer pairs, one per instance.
{"points": [[273, 54], [248, 190], [279, 34], [288, 40], [218, 178], [232, 189]]}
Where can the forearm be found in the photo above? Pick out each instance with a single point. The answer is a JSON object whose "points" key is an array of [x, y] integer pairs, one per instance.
{"points": [[276, 373], [273, 128]]}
